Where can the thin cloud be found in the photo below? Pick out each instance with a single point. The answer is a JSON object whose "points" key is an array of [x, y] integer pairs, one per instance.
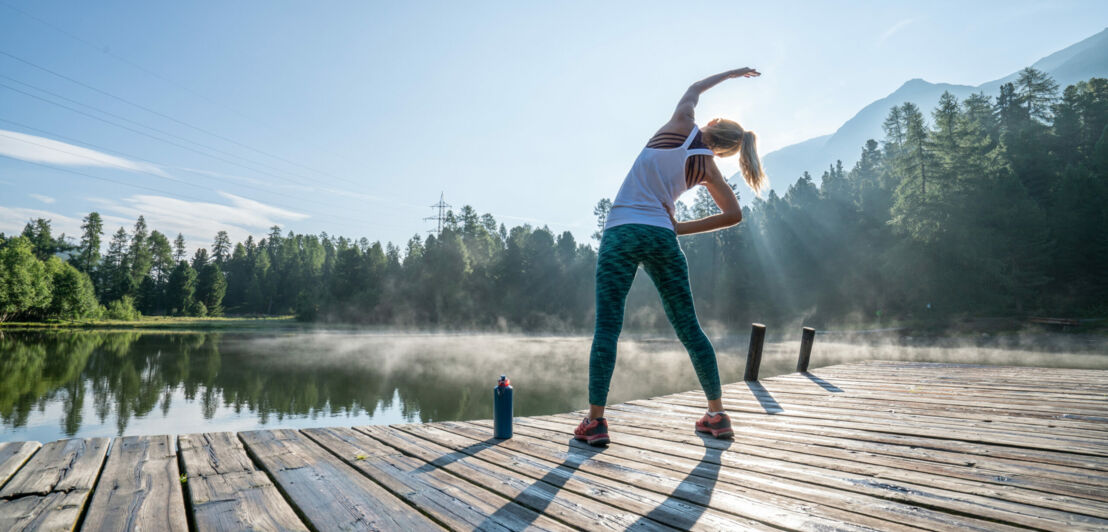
{"points": [[198, 221], [894, 29], [12, 220], [42, 198], [36, 149]]}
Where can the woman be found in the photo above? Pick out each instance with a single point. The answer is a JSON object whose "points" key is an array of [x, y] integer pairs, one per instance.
{"points": [[641, 229]]}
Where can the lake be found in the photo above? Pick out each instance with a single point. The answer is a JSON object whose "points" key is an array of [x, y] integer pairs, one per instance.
{"points": [[81, 383]]}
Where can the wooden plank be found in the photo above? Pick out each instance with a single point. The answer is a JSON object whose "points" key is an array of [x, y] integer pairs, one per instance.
{"points": [[969, 477], [139, 489], [226, 491], [932, 417], [698, 489], [1082, 499], [972, 451], [904, 425], [563, 505], [797, 385], [450, 500], [957, 413], [883, 435], [963, 382], [994, 393], [993, 383], [1003, 489], [879, 482], [1044, 477], [54, 511], [952, 370], [328, 493], [562, 474], [12, 457], [860, 510], [51, 489], [912, 391]]}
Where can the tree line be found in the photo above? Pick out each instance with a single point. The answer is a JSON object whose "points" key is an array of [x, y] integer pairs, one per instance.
{"points": [[996, 205]]}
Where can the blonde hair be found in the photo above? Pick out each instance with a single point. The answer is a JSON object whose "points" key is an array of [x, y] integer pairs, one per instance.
{"points": [[726, 138]]}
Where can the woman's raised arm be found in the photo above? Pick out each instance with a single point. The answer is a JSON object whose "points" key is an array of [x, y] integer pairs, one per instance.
{"points": [[688, 102]]}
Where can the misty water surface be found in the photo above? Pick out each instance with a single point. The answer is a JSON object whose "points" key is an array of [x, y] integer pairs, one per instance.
{"points": [[93, 383]]}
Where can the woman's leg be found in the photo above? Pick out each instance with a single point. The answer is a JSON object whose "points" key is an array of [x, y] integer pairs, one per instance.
{"points": [[668, 269], [616, 265]]}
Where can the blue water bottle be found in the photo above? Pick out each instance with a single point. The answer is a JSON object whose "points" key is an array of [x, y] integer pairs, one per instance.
{"points": [[502, 409]]}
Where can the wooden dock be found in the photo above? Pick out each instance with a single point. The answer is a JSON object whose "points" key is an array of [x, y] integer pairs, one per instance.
{"points": [[869, 446]]}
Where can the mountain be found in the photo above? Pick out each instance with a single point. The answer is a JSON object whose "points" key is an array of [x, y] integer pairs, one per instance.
{"points": [[1077, 62]]}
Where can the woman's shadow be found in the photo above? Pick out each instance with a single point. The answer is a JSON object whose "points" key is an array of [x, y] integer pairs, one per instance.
{"points": [[675, 511], [696, 488]]}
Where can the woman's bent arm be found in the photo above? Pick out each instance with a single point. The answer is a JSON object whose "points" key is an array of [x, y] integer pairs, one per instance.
{"points": [[688, 102], [726, 201]]}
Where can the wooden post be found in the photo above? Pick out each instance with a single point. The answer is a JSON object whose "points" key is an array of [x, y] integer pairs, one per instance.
{"points": [[806, 339], [754, 355]]}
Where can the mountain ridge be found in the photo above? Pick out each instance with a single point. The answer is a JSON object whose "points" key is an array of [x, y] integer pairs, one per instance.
{"points": [[1077, 62]]}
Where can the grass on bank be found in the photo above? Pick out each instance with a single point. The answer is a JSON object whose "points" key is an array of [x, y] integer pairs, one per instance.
{"points": [[163, 322]]}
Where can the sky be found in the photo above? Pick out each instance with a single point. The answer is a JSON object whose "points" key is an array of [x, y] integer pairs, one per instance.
{"points": [[351, 118]]}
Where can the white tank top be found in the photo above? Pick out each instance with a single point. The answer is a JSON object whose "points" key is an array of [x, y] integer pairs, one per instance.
{"points": [[655, 182]]}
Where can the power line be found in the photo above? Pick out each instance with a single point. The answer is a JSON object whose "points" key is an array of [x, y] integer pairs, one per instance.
{"points": [[167, 117], [133, 130], [104, 50], [139, 124], [441, 206]]}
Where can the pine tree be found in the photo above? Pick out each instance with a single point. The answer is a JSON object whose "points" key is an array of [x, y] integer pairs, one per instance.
{"points": [[1037, 92], [179, 249], [181, 290], [141, 258], [600, 211], [44, 245], [221, 248], [88, 252], [199, 259], [116, 271], [211, 286]]}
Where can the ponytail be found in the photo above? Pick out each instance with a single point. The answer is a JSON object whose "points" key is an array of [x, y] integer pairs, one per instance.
{"points": [[726, 138], [750, 164]]}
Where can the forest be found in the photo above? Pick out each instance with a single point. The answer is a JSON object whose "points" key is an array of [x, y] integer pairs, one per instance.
{"points": [[990, 206]]}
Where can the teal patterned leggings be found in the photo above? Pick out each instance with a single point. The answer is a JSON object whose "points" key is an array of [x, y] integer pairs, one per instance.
{"points": [[622, 249]]}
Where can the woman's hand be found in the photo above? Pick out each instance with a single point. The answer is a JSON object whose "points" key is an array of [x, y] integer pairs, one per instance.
{"points": [[745, 72]]}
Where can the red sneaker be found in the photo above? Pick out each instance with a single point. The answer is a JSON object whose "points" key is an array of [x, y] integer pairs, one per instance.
{"points": [[592, 431], [718, 425]]}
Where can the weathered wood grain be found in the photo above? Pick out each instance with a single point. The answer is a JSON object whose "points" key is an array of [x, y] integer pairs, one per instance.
{"points": [[50, 490], [139, 488], [445, 497], [1076, 432], [563, 505], [328, 493], [859, 509], [1030, 408], [1094, 449], [12, 457], [1015, 506], [226, 491], [581, 469]]}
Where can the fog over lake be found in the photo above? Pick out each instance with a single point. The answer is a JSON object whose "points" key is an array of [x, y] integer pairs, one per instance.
{"points": [[57, 384]]}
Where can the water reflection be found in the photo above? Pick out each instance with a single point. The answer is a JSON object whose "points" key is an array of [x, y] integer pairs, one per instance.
{"points": [[55, 384]]}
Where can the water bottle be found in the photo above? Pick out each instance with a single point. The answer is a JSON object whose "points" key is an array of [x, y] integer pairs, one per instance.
{"points": [[502, 409]]}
